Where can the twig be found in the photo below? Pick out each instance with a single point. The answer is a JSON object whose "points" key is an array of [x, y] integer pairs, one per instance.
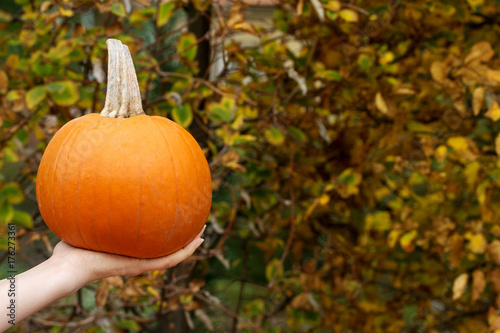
{"points": [[356, 8], [242, 285], [292, 226], [208, 84], [218, 306], [15, 129], [232, 217]]}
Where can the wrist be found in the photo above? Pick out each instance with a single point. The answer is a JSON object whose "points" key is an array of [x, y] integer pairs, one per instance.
{"points": [[72, 276]]}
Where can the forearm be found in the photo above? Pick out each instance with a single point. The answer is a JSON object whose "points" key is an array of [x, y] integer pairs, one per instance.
{"points": [[35, 289]]}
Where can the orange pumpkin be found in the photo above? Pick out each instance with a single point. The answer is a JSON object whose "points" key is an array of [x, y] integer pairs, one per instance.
{"points": [[137, 186]]}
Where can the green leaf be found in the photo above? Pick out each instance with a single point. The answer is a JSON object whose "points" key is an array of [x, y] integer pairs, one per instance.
{"points": [[64, 93], [217, 112], [365, 62], [141, 15], [118, 9], [183, 115], [6, 212], [274, 136], [129, 325], [22, 219], [13, 193], [228, 103], [187, 46], [329, 75], [298, 134], [35, 96], [13, 95], [165, 13], [410, 314], [42, 69], [239, 138], [4, 243]]}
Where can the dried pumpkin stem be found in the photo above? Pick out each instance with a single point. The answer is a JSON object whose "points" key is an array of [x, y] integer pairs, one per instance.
{"points": [[123, 97]]}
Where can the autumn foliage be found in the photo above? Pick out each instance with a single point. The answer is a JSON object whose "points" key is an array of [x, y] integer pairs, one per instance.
{"points": [[354, 150]]}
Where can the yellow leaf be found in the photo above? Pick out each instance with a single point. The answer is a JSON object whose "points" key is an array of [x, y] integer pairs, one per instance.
{"points": [[380, 221], [493, 112], [497, 145], [458, 143], [477, 100], [441, 153], [406, 241], [475, 3], [349, 15], [154, 292], [380, 103], [478, 284], [464, 148], [471, 171], [324, 199], [393, 238], [492, 75], [439, 71], [27, 37], [333, 5], [66, 12], [477, 243], [386, 58], [311, 209], [459, 286]]}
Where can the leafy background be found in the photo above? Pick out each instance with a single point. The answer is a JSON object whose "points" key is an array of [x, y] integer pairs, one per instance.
{"points": [[354, 148]]}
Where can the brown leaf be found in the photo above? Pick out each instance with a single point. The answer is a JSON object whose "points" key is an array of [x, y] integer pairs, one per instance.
{"points": [[246, 27], [482, 51], [459, 285], [477, 100], [495, 279], [4, 82], [478, 284], [494, 252], [300, 301], [235, 19], [102, 293], [381, 104], [115, 281], [196, 285], [439, 71], [230, 157]]}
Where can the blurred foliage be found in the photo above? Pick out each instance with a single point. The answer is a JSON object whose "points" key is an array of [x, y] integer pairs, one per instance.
{"points": [[354, 149]]}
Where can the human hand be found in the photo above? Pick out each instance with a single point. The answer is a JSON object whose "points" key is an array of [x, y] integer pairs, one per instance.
{"points": [[87, 266]]}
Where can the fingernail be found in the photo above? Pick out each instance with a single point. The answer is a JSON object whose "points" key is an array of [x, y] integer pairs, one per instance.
{"points": [[204, 227], [201, 241]]}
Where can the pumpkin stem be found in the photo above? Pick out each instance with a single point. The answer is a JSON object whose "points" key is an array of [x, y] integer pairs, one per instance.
{"points": [[123, 97]]}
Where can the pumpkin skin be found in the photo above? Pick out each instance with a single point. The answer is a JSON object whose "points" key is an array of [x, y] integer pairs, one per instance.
{"points": [[138, 186]]}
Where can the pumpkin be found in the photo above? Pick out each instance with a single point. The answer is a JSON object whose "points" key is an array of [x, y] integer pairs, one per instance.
{"points": [[123, 182]]}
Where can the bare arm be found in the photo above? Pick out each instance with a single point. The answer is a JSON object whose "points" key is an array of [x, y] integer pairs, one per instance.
{"points": [[68, 270]]}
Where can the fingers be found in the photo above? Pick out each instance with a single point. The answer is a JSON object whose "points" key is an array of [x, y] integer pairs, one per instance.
{"points": [[176, 257]]}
